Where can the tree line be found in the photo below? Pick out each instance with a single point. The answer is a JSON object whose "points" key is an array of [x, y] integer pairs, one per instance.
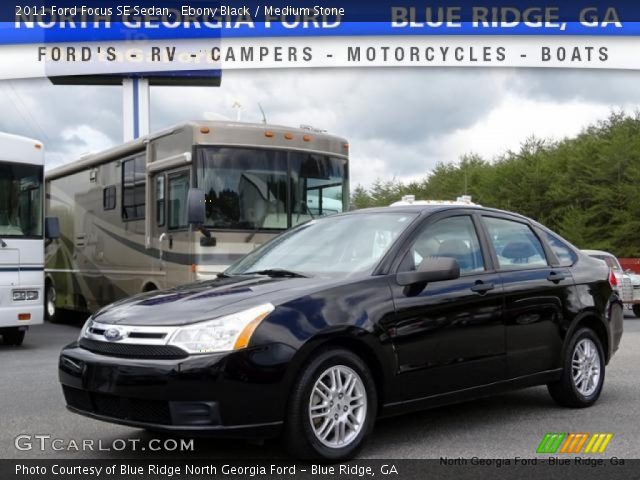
{"points": [[586, 188]]}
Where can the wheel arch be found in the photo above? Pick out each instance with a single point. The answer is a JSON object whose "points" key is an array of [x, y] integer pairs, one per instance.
{"points": [[592, 321], [149, 286], [357, 341]]}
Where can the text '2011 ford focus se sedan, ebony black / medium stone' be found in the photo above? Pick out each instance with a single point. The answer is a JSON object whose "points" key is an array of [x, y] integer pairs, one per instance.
{"points": [[352, 317]]}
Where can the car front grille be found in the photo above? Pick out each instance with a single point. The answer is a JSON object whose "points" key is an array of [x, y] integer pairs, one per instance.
{"points": [[130, 350], [135, 409]]}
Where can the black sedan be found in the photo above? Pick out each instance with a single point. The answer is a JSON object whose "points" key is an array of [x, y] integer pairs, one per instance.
{"points": [[349, 318]]}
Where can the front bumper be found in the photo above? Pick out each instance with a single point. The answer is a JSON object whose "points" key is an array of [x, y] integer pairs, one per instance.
{"points": [[239, 394], [10, 315]]}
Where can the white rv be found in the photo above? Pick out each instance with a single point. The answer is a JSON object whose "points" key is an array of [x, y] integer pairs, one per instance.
{"points": [[22, 236], [126, 215]]}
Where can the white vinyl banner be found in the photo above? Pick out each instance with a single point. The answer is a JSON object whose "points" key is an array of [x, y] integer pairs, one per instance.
{"points": [[31, 61]]}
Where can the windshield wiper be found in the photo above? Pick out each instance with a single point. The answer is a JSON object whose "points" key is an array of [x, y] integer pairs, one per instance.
{"points": [[277, 272]]}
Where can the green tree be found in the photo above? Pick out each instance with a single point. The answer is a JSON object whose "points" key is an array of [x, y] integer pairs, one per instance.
{"points": [[586, 187]]}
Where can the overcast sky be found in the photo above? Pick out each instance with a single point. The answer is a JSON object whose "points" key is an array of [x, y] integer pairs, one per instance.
{"points": [[399, 122]]}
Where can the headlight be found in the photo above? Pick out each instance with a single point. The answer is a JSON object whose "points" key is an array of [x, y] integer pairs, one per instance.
{"points": [[21, 295], [85, 327], [231, 332]]}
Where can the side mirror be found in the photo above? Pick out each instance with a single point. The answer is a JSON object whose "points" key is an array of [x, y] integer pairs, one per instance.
{"points": [[196, 207], [431, 269], [51, 228]]}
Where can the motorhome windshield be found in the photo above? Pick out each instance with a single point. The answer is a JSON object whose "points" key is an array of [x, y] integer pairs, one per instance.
{"points": [[261, 189], [20, 200]]}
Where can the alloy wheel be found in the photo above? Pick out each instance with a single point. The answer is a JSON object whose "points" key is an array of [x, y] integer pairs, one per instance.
{"points": [[585, 367], [338, 406]]}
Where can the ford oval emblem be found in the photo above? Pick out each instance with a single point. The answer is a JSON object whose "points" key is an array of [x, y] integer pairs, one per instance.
{"points": [[113, 334]]}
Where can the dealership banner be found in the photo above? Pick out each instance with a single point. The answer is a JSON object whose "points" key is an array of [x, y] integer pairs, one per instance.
{"points": [[144, 38]]}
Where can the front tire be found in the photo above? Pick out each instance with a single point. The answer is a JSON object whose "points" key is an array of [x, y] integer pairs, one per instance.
{"points": [[332, 408], [583, 373], [13, 336], [50, 309], [636, 309]]}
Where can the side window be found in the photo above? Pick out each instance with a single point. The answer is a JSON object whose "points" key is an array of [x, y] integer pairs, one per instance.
{"points": [[178, 192], [453, 237], [133, 188], [160, 200], [515, 244], [109, 198], [566, 256]]}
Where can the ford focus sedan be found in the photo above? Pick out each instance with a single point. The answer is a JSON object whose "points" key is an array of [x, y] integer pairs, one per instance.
{"points": [[350, 318]]}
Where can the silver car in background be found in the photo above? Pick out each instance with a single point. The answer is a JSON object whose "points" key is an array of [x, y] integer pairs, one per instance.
{"points": [[625, 283], [635, 281]]}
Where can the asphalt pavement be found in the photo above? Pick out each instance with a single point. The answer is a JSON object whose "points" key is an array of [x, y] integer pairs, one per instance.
{"points": [[505, 426]]}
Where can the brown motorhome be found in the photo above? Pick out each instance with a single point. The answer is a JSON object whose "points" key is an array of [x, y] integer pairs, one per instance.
{"points": [[124, 212]]}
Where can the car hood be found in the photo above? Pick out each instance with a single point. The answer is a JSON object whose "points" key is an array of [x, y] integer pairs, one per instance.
{"points": [[205, 300]]}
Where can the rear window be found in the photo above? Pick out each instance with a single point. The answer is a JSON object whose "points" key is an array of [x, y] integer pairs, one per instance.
{"points": [[515, 244]]}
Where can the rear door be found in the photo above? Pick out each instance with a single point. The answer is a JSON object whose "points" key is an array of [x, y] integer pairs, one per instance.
{"points": [[537, 290], [450, 335]]}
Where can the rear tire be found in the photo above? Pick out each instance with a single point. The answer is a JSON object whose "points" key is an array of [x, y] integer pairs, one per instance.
{"points": [[583, 372], [51, 312], [13, 336], [339, 389], [636, 310]]}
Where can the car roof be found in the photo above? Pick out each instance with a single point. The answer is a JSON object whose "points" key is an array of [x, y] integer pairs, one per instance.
{"points": [[433, 208]]}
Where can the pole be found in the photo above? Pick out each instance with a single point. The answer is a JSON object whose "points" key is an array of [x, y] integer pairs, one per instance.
{"points": [[135, 108]]}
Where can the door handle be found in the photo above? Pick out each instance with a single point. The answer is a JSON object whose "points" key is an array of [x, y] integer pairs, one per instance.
{"points": [[556, 277], [161, 239], [482, 287]]}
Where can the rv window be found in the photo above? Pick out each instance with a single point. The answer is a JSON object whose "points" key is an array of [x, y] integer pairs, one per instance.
{"points": [[245, 188], [109, 198], [133, 188], [160, 200], [20, 200], [178, 192], [317, 186]]}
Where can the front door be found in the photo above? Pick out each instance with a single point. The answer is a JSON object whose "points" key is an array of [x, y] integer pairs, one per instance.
{"points": [[451, 335], [171, 231]]}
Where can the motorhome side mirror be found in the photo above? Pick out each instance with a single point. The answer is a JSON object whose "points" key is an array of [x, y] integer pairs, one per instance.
{"points": [[196, 207], [51, 228], [432, 269]]}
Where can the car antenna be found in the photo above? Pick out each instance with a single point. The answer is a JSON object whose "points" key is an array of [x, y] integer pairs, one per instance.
{"points": [[264, 117]]}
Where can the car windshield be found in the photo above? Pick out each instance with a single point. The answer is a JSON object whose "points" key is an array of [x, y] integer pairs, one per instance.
{"points": [[345, 244], [20, 200]]}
